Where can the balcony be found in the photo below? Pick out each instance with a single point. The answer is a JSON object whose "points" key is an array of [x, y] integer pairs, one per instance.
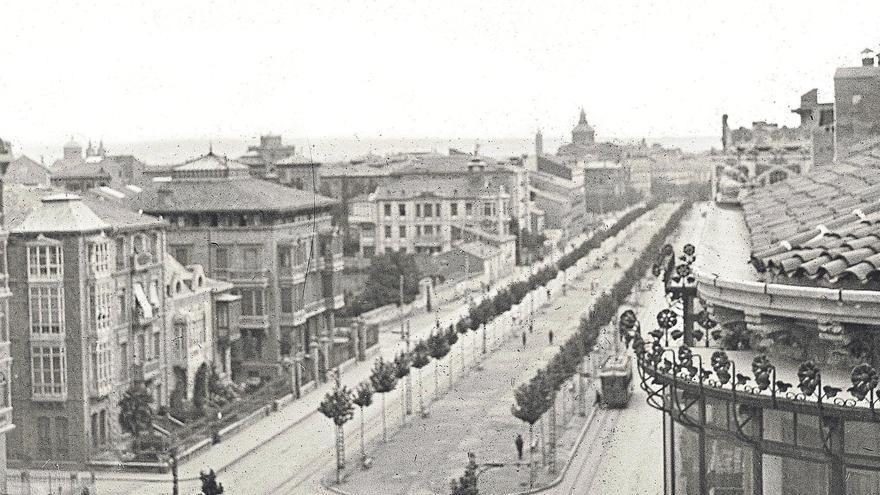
{"points": [[294, 274], [428, 240], [144, 371], [254, 321], [142, 261], [243, 276]]}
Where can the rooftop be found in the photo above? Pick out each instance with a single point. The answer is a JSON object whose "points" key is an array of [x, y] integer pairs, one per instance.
{"points": [[412, 186]]}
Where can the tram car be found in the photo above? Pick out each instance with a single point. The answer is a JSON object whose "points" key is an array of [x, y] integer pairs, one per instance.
{"points": [[617, 380]]}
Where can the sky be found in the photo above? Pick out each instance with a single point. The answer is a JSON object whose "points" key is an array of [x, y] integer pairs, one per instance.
{"points": [[130, 71]]}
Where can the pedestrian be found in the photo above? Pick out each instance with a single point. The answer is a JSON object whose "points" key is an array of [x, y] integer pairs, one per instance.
{"points": [[524, 340], [550, 336], [519, 445], [531, 326], [548, 293]]}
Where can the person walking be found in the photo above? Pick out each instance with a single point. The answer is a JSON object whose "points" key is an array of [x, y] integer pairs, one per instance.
{"points": [[524, 340], [550, 336], [519, 445]]}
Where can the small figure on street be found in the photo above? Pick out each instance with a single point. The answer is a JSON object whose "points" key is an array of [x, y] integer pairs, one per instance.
{"points": [[524, 339], [531, 326], [548, 293], [550, 336], [519, 445]]}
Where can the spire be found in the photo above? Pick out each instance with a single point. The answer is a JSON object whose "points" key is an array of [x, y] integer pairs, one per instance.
{"points": [[101, 150], [210, 147], [583, 119]]}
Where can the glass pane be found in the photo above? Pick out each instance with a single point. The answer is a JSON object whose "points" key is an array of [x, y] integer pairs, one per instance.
{"points": [[778, 426], [716, 413], [862, 482], [862, 438], [809, 432], [728, 466], [687, 462], [787, 476]]}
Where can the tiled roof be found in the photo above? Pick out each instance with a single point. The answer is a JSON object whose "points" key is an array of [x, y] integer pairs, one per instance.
{"points": [[233, 194], [821, 225], [209, 162], [86, 169], [412, 186], [45, 210]]}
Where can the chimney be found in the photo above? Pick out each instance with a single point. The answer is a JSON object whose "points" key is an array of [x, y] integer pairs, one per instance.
{"points": [[867, 57]]}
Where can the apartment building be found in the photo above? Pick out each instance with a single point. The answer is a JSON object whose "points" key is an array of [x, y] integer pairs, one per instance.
{"points": [[416, 213], [87, 314], [275, 244], [6, 424]]}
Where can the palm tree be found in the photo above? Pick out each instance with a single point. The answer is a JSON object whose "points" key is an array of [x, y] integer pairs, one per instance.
{"points": [[135, 414], [363, 397], [383, 381]]}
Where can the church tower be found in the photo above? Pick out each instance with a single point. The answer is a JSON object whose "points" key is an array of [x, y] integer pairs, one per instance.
{"points": [[583, 134]]}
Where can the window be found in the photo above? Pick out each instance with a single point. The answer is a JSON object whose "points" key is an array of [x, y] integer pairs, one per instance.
{"points": [[99, 256], [123, 361], [418, 230], [223, 316], [102, 365], [388, 232], [179, 330], [44, 441], [437, 209], [103, 423], [157, 241], [429, 230], [250, 258], [401, 209], [48, 371], [453, 209], [101, 302], [284, 257], [402, 233], [418, 210], [141, 351], [251, 302], [122, 303], [487, 209], [44, 261], [468, 209], [221, 258], [157, 345], [4, 391], [287, 300], [387, 208], [428, 209], [62, 438], [46, 309], [4, 322], [183, 254]]}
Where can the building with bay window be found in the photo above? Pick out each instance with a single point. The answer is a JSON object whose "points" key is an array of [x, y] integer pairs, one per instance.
{"points": [[88, 315], [274, 244]]}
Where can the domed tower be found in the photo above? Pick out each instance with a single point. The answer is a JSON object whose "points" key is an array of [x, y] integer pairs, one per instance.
{"points": [[582, 133], [72, 150]]}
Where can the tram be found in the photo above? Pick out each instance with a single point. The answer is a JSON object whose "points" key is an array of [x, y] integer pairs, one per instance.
{"points": [[617, 380]]}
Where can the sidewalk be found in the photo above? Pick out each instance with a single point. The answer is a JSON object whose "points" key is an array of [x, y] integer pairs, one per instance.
{"points": [[248, 440], [475, 416]]}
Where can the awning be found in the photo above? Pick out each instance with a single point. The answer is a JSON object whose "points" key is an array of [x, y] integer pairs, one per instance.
{"points": [[141, 297]]}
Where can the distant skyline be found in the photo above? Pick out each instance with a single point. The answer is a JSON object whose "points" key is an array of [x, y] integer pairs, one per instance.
{"points": [[203, 69]]}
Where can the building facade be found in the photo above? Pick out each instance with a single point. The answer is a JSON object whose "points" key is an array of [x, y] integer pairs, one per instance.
{"points": [[275, 244], [856, 105], [88, 314], [6, 418]]}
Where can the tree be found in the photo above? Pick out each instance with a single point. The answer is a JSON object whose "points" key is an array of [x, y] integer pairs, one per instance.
{"points": [[363, 397], [467, 484], [530, 404], [438, 348], [337, 405], [402, 363], [383, 279], [209, 483], [135, 414], [420, 359], [451, 339], [200, 387], [383, 381]]}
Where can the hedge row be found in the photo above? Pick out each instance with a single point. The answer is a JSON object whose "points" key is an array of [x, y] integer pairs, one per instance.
{"points": [[565, 363], [506, 298]]}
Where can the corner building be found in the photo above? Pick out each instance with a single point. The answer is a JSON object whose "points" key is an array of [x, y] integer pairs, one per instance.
{"points": [[275, 244]]}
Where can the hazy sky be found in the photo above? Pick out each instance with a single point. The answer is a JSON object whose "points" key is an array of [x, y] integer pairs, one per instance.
{"points": [[130, 71]]}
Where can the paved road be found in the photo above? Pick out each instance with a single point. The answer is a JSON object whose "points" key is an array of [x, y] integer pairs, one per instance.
{"points": [[295, 444], [622, 452]]}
